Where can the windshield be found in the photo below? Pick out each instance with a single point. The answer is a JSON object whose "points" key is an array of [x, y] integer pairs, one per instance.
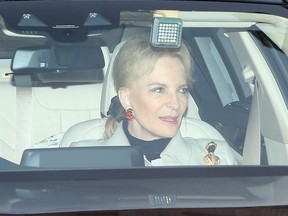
{"points": [[141, 88], [56, 95]]}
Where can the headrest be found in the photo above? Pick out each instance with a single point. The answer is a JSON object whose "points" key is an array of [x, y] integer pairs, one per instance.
{"points": [[108, 91]]}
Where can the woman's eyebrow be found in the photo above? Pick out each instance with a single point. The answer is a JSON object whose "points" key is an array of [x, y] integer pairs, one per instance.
{"points": [[184, 85], [163, 84], [156, 83]]}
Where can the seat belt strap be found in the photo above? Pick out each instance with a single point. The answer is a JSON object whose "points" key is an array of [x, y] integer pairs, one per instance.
{"points": [[252, 144]]}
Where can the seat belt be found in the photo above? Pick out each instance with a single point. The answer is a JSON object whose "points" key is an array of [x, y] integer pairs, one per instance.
{"points": [[252, 144], [23, 114]]}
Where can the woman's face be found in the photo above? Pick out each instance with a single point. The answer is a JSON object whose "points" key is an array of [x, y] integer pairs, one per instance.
{"points": [[158, 99]]}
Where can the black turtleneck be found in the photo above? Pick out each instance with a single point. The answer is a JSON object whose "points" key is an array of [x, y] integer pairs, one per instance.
{"points": [[151, 149]]}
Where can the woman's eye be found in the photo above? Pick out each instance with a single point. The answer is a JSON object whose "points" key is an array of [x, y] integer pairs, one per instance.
{"points": [[184, 90], [158, 90]]}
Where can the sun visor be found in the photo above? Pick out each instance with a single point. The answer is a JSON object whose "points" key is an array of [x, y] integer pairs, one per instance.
{"points": [[57, 59]]}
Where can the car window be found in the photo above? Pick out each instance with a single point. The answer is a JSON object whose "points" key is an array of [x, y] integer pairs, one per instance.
{"points": [[60, 89], [152, 105], [218, 71]]}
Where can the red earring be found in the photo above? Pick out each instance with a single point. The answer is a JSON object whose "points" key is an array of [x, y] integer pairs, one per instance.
{"points": [[129, 114]]}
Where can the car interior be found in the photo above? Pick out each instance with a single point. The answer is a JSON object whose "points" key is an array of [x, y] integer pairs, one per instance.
{"points": [[56, 93]]}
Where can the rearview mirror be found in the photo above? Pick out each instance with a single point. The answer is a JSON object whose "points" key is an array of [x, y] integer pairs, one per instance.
{"points": [[57, 59]]}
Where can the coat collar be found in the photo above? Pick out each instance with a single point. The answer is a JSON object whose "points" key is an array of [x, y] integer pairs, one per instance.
{"points": [[177, 152]]}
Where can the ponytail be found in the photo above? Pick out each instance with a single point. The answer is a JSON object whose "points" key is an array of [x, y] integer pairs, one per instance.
{"points": [[110, 127], [116, 114]]}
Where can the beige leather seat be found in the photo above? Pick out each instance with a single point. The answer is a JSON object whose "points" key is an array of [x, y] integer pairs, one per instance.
{"points": [[40, 112], [192, 125]]}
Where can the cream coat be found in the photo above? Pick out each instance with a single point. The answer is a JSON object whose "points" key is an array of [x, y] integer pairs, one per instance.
{"points": [[179, 151]]}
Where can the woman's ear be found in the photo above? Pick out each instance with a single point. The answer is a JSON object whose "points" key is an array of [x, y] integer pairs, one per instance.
{"points": [[124, 97]]}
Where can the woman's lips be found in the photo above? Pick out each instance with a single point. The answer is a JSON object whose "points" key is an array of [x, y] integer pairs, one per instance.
{"points": [[172, 120]]}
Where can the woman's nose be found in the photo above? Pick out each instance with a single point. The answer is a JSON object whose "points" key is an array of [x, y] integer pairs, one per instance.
{"points": [[173, 101]]}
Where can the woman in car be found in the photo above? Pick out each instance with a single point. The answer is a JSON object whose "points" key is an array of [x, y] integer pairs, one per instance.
{"points": [[152, 86]]}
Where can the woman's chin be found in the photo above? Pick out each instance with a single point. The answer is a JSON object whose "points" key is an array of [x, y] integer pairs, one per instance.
{"points": [[168, 134]]}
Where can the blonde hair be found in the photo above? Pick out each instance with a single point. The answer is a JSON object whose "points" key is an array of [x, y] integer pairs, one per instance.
{"points": [[137, 58]]}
